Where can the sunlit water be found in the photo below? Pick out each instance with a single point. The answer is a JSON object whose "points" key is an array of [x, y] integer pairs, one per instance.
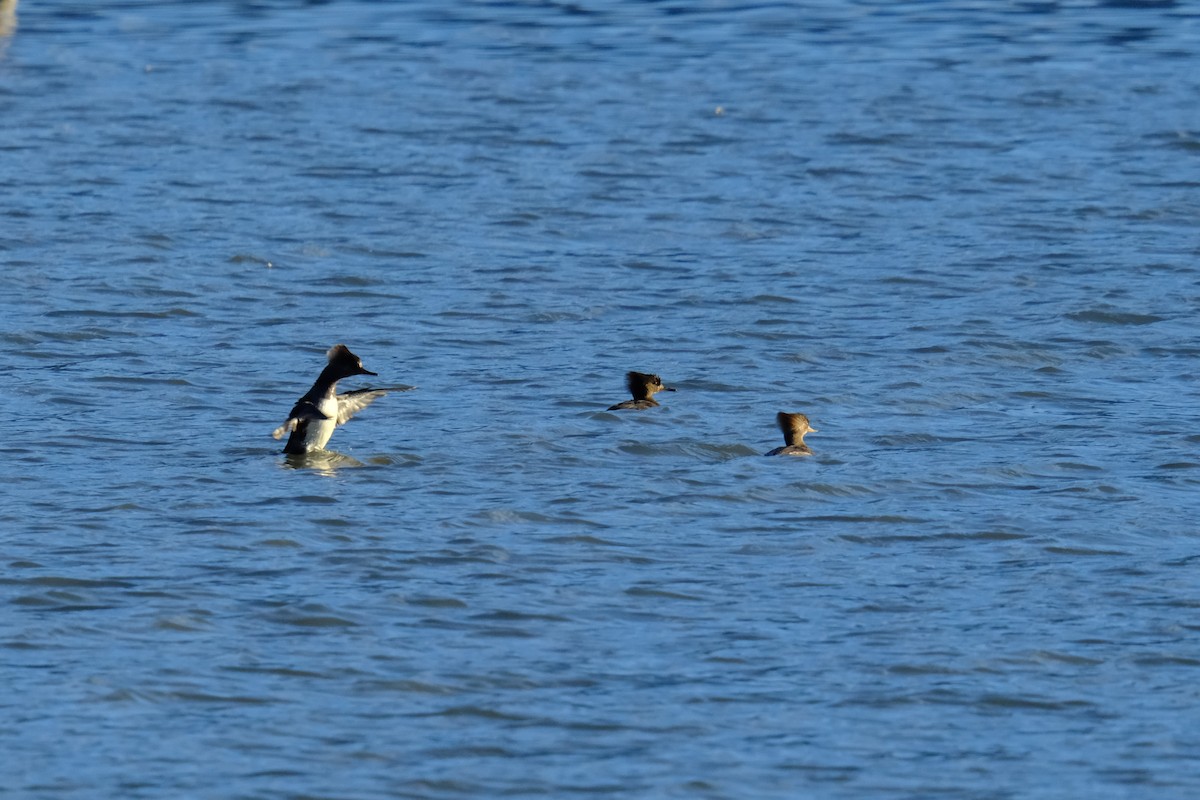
{"points": [[961, 237]]}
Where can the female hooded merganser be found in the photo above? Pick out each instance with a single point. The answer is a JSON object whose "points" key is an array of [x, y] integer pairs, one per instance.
{"points": [[312, 420], [794, 426], [641, 386]]}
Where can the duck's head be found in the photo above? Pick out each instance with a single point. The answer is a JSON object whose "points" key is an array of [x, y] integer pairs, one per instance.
{"points": [[346, 363], [642, 385], [794, 426]]}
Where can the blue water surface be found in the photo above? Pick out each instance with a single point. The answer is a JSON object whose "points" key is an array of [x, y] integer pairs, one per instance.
{"points": [[960, 236]]}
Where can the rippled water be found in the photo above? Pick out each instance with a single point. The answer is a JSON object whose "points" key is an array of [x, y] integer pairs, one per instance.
{"points": [[960, 236]]}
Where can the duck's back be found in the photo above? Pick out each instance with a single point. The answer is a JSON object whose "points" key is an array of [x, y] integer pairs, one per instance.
{"points": [[637, 404], [791, 450]]}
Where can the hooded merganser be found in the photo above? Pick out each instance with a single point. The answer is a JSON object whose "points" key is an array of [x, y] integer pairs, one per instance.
{"points": [[642, 387], [316, 414], [794, 426]]}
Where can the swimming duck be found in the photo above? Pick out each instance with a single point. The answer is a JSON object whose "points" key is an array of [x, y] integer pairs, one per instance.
{"points": [[794, 426], [642, 386], [312, 420]]}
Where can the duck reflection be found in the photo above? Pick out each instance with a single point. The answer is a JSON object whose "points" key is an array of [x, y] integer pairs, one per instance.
{"points": [[324, 462]]}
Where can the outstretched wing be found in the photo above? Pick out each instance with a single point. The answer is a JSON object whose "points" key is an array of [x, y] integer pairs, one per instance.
{"points": [[350, 403], [303, 411]]}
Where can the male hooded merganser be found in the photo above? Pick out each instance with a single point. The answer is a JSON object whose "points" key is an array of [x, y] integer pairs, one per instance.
{"points": [[642, 387], [312, 420], [794, 426]]}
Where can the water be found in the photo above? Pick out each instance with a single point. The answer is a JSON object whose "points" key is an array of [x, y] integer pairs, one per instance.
{"points": [[960, 236]]}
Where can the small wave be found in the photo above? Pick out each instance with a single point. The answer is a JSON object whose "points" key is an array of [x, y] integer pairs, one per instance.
{"points": [[1109, 317]]}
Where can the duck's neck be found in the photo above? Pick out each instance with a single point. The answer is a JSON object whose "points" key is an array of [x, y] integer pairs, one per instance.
{"points": [[326, 383]]}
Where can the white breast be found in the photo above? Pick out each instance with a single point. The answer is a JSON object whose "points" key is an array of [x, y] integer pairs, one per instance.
{"points": [[317, 434]]}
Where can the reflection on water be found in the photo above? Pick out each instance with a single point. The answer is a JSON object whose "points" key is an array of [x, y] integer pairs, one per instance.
{"points": [[324, 462]]}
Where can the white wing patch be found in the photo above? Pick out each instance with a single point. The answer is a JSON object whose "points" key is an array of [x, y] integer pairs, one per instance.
{"points": [[350, 403], [286, 427], [303, 411]]}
